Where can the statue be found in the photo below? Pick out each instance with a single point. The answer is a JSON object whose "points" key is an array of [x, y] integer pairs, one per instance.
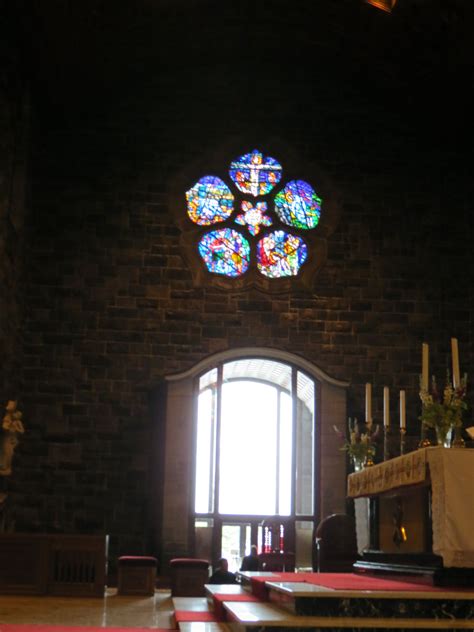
{"points": [[12, 427]]}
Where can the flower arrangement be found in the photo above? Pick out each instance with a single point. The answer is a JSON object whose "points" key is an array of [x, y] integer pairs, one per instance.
{"points": [[442, 410], [360, 446]]}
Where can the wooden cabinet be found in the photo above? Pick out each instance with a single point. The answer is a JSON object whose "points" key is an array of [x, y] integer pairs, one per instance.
{"points": [[59, 564]]}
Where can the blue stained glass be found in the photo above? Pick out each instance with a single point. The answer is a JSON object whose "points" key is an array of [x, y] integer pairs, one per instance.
{"points": [[255, 174], [209, 201], [280, 254], [298, 205], [225, 251]]}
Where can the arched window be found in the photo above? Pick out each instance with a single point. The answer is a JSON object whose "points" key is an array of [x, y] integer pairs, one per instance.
{"points": [[248, 444], [255, 453]]}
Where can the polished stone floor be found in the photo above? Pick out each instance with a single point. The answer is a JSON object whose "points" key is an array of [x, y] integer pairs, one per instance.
{"points": [[112, 610]]}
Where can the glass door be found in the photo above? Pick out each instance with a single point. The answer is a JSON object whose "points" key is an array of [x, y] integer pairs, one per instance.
{"points": [[235, 543]]}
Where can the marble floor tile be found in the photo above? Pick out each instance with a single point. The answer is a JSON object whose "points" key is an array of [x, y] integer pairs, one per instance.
{"points": [[111, 610]]}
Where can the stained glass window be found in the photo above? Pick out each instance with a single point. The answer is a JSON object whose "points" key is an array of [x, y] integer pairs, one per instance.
{"points": [[253, 216], [255, 174], [298, 205], [225, 251], [245, 232], [209, 201], [280, 254]]}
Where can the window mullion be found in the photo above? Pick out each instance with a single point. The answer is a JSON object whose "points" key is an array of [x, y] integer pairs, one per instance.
{"points": [[278, 455], [294, 412], [217, 439]]}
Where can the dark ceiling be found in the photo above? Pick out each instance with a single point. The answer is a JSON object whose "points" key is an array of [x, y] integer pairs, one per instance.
{"points": [[417, 60]]}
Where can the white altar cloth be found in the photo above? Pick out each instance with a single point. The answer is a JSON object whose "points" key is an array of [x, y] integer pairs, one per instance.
{"points": [[452, 505], [450, 471]]}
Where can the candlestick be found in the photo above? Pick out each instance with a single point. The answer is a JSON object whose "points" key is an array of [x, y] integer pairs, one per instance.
{"points": [[403, 420], [402, 440], [455, 356], [368, 404], [386, 407], [425, 366]]}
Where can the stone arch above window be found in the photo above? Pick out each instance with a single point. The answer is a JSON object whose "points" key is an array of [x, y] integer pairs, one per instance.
{"points": [[253, 216]]}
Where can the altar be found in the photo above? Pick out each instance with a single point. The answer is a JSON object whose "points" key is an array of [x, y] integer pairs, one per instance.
{"points": [[420, 513]]}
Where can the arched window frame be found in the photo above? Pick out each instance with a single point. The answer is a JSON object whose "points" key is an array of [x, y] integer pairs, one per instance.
{"points": [[175, 405]]}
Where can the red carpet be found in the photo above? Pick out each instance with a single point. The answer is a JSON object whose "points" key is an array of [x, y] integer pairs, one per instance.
{"points": [[14, 627], [343, 581], [190, 615]]}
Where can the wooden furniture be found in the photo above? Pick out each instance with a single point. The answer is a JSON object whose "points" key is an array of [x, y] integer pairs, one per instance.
{"points": [[336, 545], [59, 564], [421, 513], [136, 575], [275, 562], [188, 576]]}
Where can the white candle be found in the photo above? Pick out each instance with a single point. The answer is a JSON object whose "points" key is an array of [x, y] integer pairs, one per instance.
{"points": [[386, 407], [425, 366], [403, 418], [455, 356], [368, 403]]}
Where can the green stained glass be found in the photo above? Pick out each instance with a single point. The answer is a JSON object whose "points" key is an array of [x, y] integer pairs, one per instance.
{"points": [[298, 205]]}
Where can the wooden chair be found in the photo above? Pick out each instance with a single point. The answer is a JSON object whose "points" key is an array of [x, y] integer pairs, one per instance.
{"points": [[336, 544]]}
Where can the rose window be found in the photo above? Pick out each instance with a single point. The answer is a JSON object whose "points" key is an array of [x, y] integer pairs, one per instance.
{"points": [[268, 232]]}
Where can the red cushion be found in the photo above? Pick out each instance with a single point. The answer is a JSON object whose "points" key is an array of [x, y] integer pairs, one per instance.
{"points": [[189, 561]]}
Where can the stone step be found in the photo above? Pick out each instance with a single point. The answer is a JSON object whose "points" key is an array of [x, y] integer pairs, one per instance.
{"points": [[250, 615], [225, 589], [191, 604], [204, 626]]}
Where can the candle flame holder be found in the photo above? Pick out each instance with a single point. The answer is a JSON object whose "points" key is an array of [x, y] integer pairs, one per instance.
{"points": [[403, 446], [387, 444]]}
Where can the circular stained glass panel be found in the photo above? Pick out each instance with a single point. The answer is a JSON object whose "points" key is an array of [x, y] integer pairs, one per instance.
{"points": [[298, 205], [209, 201], [225, 251], [255, 173], [280, 254]]}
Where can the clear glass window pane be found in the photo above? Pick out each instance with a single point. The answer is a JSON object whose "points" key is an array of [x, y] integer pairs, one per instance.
{"points": [[204, 452], [248, 449], [286, 443]]}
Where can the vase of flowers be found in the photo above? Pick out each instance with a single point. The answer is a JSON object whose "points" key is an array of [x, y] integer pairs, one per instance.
{"points": [[442, 410], [360, 446]]}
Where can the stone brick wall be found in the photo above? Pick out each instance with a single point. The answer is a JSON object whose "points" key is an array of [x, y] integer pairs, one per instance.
{"points": [[14, 150], [124, 101]]}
